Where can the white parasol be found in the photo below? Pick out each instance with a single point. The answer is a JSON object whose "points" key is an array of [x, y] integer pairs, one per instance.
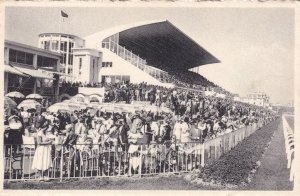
{"points": [[34, 96], [29, 104], [15, 94]]}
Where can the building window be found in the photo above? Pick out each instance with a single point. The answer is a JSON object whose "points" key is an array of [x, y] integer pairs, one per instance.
{"points": [[20, 57], [63, 46], [71, 45], [71, 59], [12, 55], [54, 45], [43, 61], [29, 59], [106, 64], [47, 45], [63, 58]]}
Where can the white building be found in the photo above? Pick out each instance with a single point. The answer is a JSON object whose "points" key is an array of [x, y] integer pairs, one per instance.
{"points": [[29, 69], [87, 64], [255, 98], [62, 44]]}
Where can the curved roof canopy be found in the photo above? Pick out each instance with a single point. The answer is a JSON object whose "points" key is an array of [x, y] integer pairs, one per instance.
{"points": [[162, 44]]}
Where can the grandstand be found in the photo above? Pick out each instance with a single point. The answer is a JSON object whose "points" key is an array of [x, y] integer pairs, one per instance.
{"points": [[155, 52], [152, 52]]}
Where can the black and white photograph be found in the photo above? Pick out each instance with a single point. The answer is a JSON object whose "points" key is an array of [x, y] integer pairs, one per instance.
{"points": [[148, 98]]}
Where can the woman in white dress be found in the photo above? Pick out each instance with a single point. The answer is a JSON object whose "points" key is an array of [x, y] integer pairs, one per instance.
{"points": [[185, 131], [42, 156]]}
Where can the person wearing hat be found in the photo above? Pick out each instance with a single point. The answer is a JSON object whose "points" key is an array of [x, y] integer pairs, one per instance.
{"points": [[202, 129], [177, 130], [185, 130], [135, 131], [15, 132], [109, 122], [80, 127], [123, 134], [194, 131], [42, 157], [155, 128], [166, 132], [113, 134], [146, 129], [25, 116], [136, 126], [69, 147], [39, 120], [101, 129]]}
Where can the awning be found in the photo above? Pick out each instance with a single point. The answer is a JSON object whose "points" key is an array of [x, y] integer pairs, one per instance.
{"points": [[36, 73], [55, 72], [12, 70]]}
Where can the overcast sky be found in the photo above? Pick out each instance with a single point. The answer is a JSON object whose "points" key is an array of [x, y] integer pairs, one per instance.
{"points": [[255, 45]]}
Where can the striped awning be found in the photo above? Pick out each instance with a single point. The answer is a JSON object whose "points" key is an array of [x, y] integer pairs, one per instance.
{"points": [[13, 70]]}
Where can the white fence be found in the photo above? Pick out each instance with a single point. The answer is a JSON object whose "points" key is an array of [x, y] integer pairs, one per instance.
{"points": [[289, 145], [108, 160]]}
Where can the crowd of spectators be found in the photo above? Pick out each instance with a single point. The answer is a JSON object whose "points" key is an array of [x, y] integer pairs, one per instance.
{"points": [[184, 79], [194, 118]]}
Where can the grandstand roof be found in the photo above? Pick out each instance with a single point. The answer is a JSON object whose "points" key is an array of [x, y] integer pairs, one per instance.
{"points": [[159, 42]]}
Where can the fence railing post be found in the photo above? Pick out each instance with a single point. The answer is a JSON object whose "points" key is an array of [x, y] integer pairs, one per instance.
{"points": [[61, 163], [202, 155]]}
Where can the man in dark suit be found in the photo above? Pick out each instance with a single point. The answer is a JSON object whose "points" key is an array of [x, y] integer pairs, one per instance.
{"points": [[39, 120]]}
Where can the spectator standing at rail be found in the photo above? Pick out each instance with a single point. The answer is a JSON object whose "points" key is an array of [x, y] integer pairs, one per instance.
{"points": [[185, 130], [14, 137], [177, 131], [25, 116], [42, 160]]}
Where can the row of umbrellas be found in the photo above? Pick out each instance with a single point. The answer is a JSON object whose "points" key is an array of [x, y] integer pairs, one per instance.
{"points": [[70, 106], [29, 103], [16, 94], [76, 103]]}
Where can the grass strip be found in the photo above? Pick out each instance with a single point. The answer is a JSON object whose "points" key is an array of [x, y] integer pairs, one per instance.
{"points": [[235, 166]]}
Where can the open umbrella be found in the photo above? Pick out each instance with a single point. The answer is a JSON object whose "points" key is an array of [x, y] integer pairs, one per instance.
{"points": [[29, 104], [9, 103], [34, 96], [78, 105], [78, 98], [62, 107], [111, 108], [15, 94]]}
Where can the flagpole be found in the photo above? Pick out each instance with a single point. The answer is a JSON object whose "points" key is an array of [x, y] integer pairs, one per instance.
{"points": [[59, 34], [59, 22]]}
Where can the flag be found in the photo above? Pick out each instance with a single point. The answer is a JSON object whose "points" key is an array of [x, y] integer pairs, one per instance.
{"points": [[63, 14]]}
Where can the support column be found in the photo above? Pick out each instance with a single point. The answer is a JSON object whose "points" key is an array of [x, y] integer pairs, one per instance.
{"points": [[5, 82], [35, 65], [34, 87]]}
